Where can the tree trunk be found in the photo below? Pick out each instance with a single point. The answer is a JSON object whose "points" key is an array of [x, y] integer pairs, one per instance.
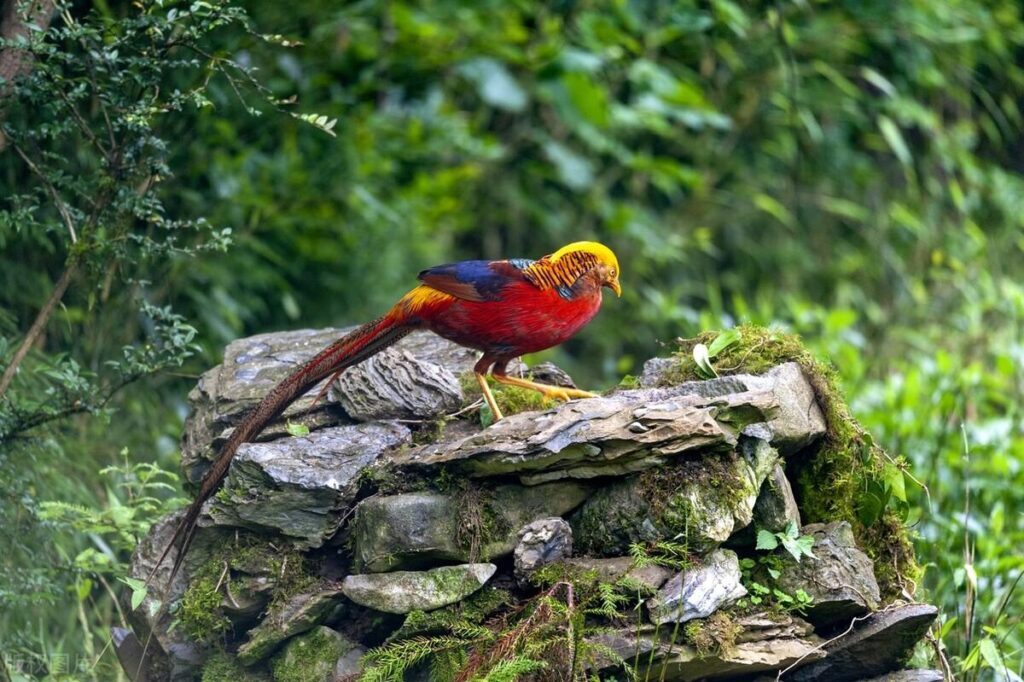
{"points": [[15, 17]]}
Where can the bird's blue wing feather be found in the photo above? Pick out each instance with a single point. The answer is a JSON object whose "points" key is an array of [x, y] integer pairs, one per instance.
{"points": [[473, 280]]}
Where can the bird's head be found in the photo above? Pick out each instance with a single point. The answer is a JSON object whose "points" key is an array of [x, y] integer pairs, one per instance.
{"points": [[607, 265]]}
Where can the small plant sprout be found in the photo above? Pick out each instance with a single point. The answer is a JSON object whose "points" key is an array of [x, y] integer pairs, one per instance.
{"points": [[797, 545]]}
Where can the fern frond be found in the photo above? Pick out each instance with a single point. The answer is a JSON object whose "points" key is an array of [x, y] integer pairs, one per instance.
{"points": [[512, 669], [389, 662]]}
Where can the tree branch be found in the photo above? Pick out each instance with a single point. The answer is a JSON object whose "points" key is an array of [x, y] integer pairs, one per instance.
{"points": [[39, 324], [57, 201], [15, 17]]}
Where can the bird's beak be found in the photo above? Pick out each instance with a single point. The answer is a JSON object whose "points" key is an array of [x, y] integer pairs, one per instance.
{"points": [[614, 286]]}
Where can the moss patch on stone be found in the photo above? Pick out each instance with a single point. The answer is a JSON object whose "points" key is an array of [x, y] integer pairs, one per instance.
{"points": [[829, 480], [712, 636], [660, 487], [223, 667], [511, 399], [199, 611], [310, 657]]}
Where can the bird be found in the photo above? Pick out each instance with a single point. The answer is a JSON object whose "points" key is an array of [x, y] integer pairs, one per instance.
{"points": [[502, 308]]}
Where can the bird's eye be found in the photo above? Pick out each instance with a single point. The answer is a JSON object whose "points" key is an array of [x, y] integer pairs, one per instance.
{"points": [[612, 272]]}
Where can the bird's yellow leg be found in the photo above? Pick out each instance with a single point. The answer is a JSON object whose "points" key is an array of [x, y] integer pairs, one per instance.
{"points": [[545, 390], [488, 396]]}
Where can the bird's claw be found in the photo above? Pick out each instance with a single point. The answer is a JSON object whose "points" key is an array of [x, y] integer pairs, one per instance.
{"points": [[567, 394]]}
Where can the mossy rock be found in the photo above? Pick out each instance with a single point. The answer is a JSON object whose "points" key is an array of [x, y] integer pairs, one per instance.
{"points": [[470, 523], [237, 581], [831, 478], [698, 502], [406, 591], [314, 657]]}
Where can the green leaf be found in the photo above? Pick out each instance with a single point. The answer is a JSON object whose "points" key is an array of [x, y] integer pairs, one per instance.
{"points": [[587, 97], [703, 362], [766, 540], [139, 590], [872, 502], [990, 652], [723, 341], [878, 80], [894, 482], [495, 84], [947, 627], [803, 546], [574, 170], [774, 208], [894, 138], [297, 430]]}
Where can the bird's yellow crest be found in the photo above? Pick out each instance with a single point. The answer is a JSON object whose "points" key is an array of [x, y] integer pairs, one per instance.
{"points": [[597, 249], [562, 267]]}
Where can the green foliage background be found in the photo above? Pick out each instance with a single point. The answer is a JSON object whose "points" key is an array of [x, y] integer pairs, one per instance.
{"points": [[848, 170]]}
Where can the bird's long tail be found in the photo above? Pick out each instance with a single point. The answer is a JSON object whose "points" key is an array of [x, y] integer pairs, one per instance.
{"points": [[367, 340]]}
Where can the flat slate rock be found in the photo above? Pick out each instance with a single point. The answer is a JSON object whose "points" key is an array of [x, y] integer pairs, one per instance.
{"points": [[405, 591], [776, 505], [254, 365], [800, 420], [682, 663], [758, 627], [876, 646], [320, 655], [633, 430], [909, 676], [396, 384], [613, 569], [172, 655], [301, 487]]}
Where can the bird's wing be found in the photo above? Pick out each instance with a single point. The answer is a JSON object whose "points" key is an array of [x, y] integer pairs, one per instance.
{"points": [[474, 280]]}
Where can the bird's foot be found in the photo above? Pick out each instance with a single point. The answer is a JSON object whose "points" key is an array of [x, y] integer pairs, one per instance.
{"points": [[555, 392], [561, 393], [488, 396]]}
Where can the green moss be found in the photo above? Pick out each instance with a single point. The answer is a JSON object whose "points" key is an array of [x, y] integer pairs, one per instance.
{"points": [[561, 572], [429, 432], [223, 667], [660, 487], [830, 479], [472, 610], [511, 399], [629, 382], [309, 658], [199, 611], [712, 636]]}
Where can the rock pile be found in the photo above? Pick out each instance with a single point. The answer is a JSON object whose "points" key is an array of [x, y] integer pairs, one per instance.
{"points": [[385, 533]]}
